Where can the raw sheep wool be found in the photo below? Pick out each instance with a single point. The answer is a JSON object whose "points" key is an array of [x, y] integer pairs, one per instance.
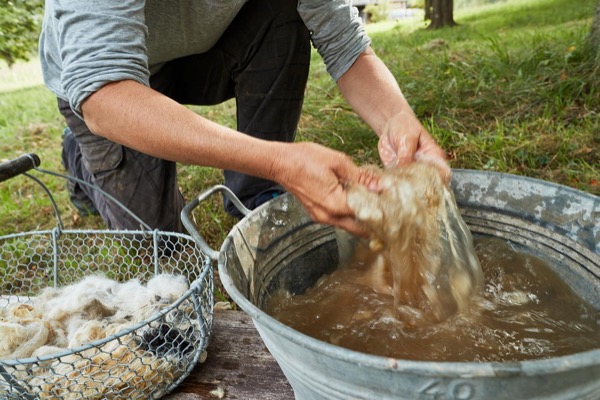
{"points": [[114, 371], [420, 250], [67, 318]]}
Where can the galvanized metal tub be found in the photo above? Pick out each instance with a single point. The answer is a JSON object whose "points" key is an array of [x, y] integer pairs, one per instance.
{"points": [[278, 246]]}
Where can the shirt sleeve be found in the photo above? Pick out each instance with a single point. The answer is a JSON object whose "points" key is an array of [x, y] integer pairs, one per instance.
{"points": [[99, 42], [336, 31]]}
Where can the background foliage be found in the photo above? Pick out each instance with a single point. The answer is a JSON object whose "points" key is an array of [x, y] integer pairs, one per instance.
{"points": [[20, 23]]}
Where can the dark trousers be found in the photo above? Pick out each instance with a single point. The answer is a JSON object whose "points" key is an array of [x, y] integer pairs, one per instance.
{"points": [[262, 60]]}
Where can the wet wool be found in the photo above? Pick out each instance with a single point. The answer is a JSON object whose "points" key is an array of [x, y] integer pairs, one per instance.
{"points": [[420, 249]]}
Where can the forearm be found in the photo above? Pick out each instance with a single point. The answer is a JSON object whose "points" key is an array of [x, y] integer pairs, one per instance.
{"points": [[372, 92], [136, 116]]}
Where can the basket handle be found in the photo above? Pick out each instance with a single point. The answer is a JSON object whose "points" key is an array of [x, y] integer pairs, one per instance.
{"points": [[190, 225], [18, 166]]}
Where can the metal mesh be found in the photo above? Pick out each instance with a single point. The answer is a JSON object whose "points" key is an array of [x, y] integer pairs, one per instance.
{"points": [[143, 361]]}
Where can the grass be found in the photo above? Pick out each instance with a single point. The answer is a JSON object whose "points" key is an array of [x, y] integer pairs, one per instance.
{"points": [[509, 89], [26, 74]]}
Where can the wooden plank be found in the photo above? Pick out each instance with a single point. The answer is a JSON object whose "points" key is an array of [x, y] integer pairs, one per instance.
{"points": [[238, 365]]}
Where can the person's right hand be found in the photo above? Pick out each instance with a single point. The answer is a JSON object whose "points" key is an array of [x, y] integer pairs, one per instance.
{"points": [[405, 140], [317, 176]]}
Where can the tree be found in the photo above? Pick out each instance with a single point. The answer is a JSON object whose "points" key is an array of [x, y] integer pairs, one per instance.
{"points": [[427, 9], [594, 37], [440, 13], [20, 22]]}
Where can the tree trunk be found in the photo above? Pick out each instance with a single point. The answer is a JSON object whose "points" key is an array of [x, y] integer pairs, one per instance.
{"points": [[442, 14], [594, 37], [428, 10]]}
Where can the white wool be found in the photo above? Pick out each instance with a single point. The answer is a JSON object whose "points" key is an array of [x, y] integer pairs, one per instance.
{"points": [[91, 297], [115, 370], [87, 332], [84, 312], [168, 287], [22, 313], [21, 341], [47, 350], [88, 310], [134, 300], [12, 336]]}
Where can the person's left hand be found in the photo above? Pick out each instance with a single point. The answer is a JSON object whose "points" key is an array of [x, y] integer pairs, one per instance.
{"points": [[405, 140]]}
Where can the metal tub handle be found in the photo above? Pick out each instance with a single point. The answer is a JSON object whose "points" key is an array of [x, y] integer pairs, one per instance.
{"points": [[190, 225]]}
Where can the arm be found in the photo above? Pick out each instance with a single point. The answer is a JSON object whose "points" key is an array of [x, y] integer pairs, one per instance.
{"points": [[136, 116], [372, 91]]}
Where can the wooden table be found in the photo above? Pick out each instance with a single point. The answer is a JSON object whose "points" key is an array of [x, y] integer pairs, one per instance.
{"points": [[238, 366]]}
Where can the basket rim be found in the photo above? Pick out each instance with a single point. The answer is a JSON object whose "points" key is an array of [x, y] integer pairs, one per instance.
{"points": [[113, 232], [98, 343], [195, 286]]}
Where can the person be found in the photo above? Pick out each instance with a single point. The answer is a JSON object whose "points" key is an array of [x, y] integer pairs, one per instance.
{"points": [[124, 71]]}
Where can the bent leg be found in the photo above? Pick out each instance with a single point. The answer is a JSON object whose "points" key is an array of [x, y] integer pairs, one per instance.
{"points": [[145, 185], [262, 60]]}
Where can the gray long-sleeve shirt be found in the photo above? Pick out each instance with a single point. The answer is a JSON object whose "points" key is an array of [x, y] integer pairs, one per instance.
{"points": [[86, 44]]}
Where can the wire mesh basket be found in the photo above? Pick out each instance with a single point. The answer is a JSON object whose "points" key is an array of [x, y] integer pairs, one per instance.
{"points": [[142, 350]]}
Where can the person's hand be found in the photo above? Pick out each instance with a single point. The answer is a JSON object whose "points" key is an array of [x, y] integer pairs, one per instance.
{"points": [[405, 140], [317, 176]]}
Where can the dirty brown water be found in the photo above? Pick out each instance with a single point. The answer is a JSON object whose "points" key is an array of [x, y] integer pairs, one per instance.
{"points": [[524, 311]]}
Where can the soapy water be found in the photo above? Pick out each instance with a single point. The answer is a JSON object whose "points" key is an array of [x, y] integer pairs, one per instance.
{"points": [[420, 288]]}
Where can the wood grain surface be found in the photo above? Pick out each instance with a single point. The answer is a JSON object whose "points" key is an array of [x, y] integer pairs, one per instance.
{"points": [[238, 365]]}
